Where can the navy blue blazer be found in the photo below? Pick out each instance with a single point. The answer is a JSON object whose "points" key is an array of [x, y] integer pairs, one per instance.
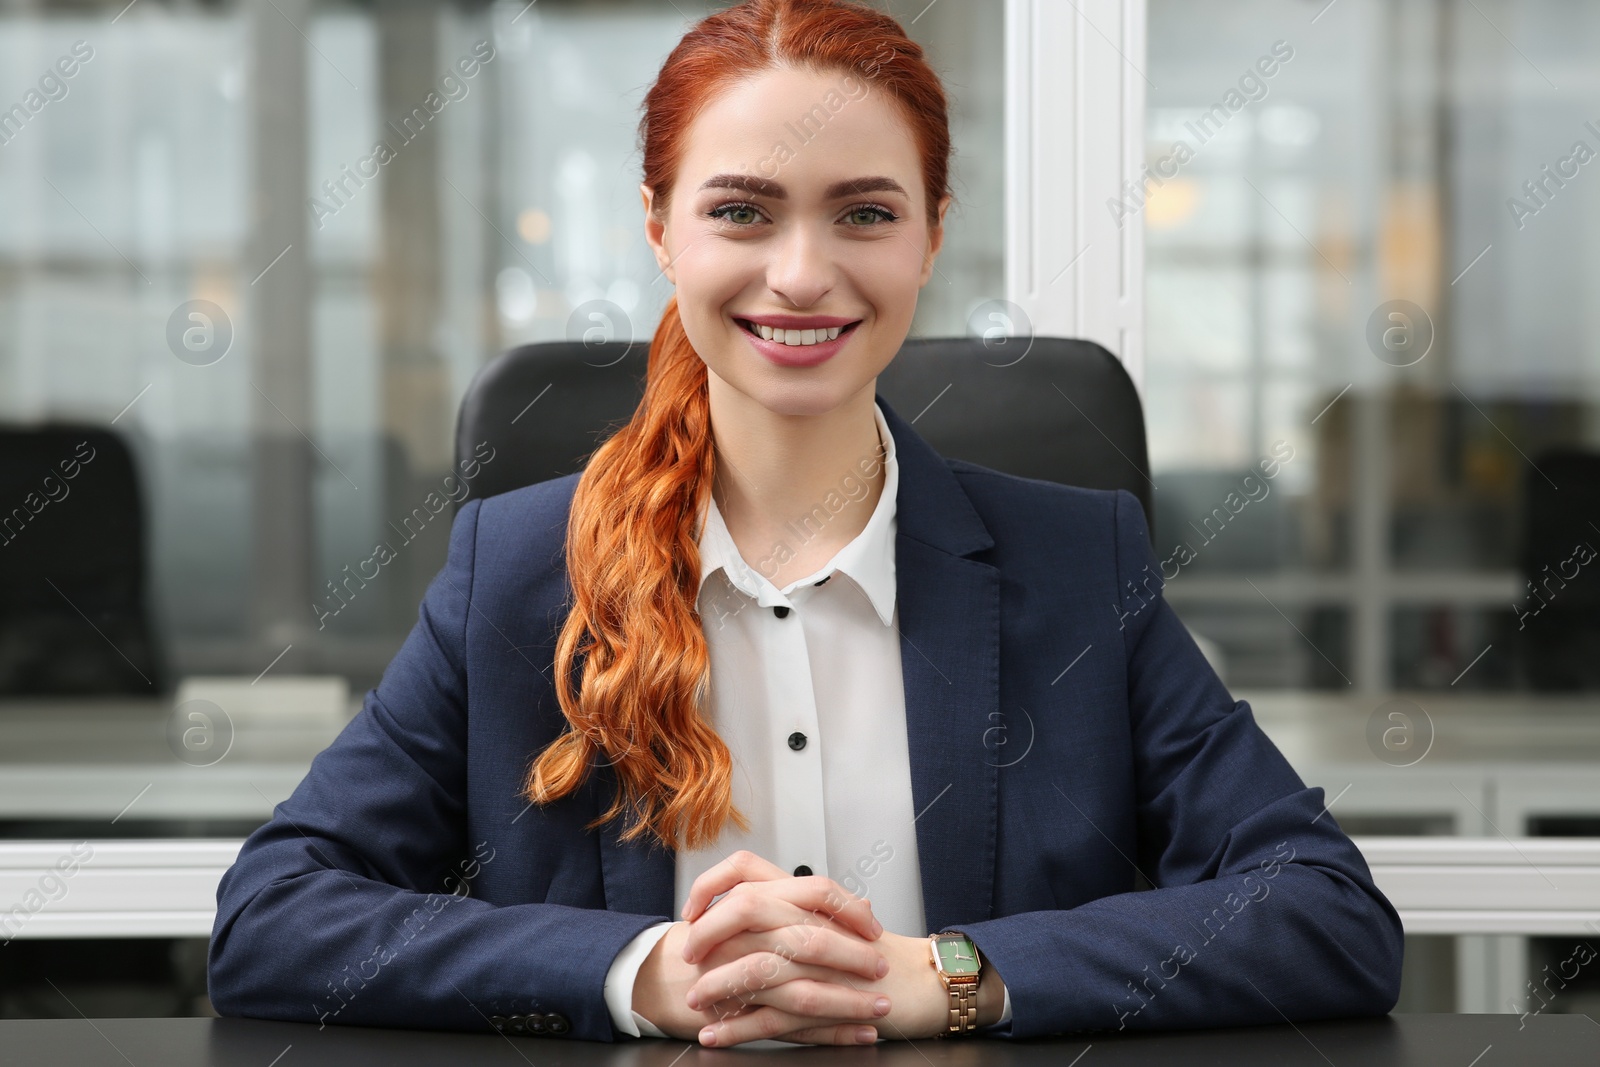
{"points": [[404, 882]]}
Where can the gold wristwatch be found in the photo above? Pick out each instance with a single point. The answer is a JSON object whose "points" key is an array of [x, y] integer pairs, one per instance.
{"points": [[955, 958]]}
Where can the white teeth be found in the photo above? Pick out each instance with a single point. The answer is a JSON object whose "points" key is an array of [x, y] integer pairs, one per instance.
{"points": [[799, 337]]}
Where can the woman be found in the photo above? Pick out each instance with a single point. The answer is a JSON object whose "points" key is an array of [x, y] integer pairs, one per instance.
{"points": [[769, 635]]}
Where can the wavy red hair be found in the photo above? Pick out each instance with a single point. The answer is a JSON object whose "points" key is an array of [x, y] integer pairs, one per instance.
{"points": [[631, 550]]}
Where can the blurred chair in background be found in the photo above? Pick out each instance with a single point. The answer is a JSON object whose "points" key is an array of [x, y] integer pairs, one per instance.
{"points": [[74, 618], [1559, 608]]}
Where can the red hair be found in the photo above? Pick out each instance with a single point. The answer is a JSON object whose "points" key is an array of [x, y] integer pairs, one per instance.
{"points": [[631, 551]]}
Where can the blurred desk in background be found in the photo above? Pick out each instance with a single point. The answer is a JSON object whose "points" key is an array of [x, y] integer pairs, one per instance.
{"points": [[1510, 765], [1468, 764], [114, 767]]}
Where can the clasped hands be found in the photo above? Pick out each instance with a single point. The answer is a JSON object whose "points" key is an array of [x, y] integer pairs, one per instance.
{"points": [[790, 958]]}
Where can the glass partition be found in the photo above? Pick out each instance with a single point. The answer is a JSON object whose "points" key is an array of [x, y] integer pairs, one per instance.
{"points": [[1374, 409], [268, 244]]}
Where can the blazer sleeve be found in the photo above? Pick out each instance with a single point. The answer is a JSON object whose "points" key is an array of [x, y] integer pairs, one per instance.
{"points": [[1262, 909], [352, 904]]}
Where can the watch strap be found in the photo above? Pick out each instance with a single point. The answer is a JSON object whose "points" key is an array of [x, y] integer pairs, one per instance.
{"points": [[963, 1015]]}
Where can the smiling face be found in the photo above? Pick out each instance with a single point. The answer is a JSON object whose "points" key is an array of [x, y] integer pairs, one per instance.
{"points": [[809, 235]]}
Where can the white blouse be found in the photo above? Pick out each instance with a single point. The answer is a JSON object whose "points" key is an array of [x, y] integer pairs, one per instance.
{"points": [[806, 691]]}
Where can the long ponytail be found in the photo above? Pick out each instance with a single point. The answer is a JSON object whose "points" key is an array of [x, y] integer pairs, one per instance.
{"points": [[634, 565]]}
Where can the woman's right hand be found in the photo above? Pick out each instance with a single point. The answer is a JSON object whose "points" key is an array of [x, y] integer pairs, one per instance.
{"points": [[809, 974]]}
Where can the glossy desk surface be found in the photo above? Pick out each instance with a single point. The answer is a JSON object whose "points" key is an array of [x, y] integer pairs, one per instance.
{"points": [[1453, 1040]]}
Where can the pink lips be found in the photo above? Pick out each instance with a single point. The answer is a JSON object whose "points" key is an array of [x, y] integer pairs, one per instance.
{"points": [[798, 355]]}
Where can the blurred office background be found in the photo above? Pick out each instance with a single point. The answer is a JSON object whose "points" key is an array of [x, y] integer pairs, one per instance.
{"points": [[1382, 171], [193, 268]]}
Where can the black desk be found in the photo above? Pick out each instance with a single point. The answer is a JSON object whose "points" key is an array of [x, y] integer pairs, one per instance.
{"points": [[1450, 1040]]}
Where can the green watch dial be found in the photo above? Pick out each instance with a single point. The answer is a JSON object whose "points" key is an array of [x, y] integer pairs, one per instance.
{"points": [[957, 956]]}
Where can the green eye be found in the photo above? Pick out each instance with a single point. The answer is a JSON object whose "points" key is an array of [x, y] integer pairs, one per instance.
{"points": [[874, 214], [724, 211]]}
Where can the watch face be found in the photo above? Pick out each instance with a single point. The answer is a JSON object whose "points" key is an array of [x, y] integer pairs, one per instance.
{"points": [[957, 956]]}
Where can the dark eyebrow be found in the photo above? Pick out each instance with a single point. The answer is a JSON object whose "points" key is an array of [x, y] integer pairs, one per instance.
{"points": [[756, 186]]}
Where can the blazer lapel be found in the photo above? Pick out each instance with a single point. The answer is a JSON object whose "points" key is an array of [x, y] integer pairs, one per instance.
{"points": [[949, 613], [949, 609]]}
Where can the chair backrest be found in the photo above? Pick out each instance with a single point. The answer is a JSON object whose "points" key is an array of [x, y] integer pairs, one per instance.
{"points": [[73, 592], [1051, 408]]}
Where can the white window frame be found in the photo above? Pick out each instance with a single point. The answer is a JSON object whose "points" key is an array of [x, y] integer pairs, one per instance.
{"points": [[1075, 115]]}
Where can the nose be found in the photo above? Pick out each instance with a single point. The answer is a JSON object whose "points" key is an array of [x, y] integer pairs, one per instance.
{"points": [[802, 268]]}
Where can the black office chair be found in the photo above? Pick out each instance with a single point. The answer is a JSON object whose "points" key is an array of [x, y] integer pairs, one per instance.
{"points": [[1560, 641], [74, 617], [1065, 411]]}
